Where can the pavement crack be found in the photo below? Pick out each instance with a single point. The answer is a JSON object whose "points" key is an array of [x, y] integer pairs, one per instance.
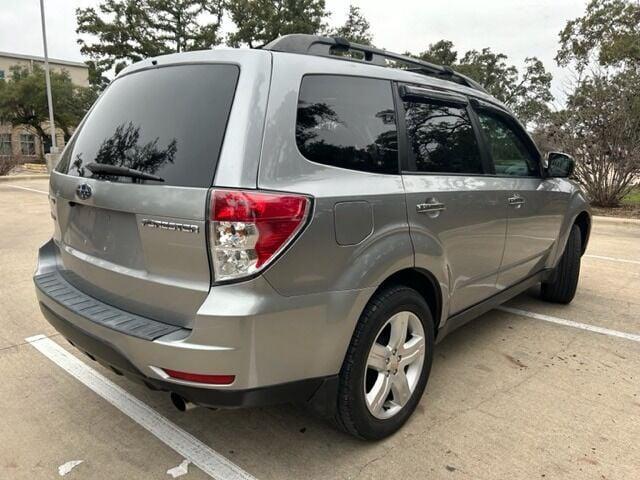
{"points": [[515, 361], [384, 454], [373, 460], [16, 345]]}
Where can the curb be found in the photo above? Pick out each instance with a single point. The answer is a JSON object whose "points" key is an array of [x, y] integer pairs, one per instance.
{"points": [[9, 178], [631, 221]]}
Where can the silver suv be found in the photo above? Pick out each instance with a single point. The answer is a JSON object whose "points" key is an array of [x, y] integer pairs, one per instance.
{"points": [[300, 222]]}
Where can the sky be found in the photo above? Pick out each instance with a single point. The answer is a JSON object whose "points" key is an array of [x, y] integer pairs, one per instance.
{"points": [[517, 28]]}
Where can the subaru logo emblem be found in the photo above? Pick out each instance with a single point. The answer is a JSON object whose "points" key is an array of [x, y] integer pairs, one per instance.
{"points": [[84, 191]]}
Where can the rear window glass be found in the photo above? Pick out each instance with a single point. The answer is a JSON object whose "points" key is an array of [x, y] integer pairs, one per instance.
{"points": [[168, 122], [348, 122]]}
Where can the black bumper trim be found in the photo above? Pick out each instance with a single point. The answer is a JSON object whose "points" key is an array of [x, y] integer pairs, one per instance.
{"points": [[312, 391], [59, 290]]}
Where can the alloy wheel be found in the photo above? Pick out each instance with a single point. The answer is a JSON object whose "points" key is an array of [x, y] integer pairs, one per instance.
{"points": [[394, 365]]}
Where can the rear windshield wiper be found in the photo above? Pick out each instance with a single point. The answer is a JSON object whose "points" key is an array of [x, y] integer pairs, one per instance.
{"points": [[121, 171]]}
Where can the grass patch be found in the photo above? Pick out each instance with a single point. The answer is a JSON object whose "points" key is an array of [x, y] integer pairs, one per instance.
{"points": [[633, 197], [629, 206]]}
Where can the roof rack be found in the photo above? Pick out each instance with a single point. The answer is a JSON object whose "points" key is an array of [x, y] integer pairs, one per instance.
{"points": [[335, 46]]}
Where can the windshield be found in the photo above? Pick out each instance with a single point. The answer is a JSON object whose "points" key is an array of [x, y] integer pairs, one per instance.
{"points": [[168, 122]]}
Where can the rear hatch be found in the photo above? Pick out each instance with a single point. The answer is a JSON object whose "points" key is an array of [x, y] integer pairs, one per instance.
{"points": [[138, 240]]}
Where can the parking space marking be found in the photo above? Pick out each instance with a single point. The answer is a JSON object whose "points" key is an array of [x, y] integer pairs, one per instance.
{"points": [[623, 260], [27, 188], [570, 323], [192, 449], [67, 467]]}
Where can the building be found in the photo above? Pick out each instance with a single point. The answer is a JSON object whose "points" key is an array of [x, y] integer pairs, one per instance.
{"points": [[78, 71], [20, 142]]}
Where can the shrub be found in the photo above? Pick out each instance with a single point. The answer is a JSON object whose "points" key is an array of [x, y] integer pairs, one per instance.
{"points": [[7, 162]]}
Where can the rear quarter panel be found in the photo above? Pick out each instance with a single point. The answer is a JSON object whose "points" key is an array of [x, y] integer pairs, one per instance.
{"points": [[320, 261]]}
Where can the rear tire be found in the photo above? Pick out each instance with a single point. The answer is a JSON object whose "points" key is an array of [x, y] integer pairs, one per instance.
{"points": [[561, 287], [368, 412]]}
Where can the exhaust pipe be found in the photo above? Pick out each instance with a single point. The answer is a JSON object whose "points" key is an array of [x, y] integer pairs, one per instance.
{"points": [[182, 404]]}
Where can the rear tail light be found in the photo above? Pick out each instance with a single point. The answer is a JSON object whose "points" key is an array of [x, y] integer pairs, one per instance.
{"points": [[248, 229]]}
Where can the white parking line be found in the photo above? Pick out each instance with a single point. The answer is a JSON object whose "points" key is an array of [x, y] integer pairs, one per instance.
{"points": [[570, 323], [192, 449], [623, 260], [27, 188]]}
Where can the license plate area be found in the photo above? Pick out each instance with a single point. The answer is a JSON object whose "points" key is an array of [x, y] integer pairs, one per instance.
{"points": [[107, 234]]}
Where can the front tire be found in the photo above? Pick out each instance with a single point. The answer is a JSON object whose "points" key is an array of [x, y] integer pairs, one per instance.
{"points": [[561, 287], [387, 364]]}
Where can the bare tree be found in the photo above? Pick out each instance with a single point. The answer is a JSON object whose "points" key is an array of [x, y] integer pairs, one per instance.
{"points": [[600, 127]]}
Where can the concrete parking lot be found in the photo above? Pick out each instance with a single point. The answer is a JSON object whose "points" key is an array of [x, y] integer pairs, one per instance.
{"points": [[511, 395]]}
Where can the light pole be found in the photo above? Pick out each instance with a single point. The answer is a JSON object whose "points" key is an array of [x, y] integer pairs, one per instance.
{"points": [[52, 125]]}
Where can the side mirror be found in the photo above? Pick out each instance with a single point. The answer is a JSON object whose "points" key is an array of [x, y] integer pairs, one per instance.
{"points": [[559, 165]]}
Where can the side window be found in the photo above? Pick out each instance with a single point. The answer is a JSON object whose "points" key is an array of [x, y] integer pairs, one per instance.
{"points": [[441, 139], [348, 122], [5, 144], [510, 154], [27, 144]]}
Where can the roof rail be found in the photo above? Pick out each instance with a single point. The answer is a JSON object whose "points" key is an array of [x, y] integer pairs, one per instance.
{"points": [[334, 46]]}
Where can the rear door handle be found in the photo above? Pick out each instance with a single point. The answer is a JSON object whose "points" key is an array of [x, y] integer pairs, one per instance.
{"points": [[430, 207], [516, 200]]}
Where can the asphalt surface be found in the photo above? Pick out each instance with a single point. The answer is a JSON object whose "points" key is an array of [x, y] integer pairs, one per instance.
{"points": [[510, 396]]}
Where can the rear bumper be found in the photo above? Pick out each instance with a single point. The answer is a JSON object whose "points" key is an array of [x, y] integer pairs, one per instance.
{"points": [[310, 390], [280, 349]]}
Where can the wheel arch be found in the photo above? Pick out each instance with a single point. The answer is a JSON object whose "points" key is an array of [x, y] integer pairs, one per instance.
{"points": [[583, 221], [578, 213], [425, 283]]}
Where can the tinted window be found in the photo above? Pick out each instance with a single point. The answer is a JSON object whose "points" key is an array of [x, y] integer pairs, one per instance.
{"points": [[348, 122], [441, 139], [169, 122], [510, 154]]}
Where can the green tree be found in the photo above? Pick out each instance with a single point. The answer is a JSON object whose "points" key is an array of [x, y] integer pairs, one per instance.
{"points": [[440, 53], [355, 29], [97, 79], [490, 70], [608, 33], [119, 32], [600, 125], [257, 22], [531, 95], [23, 100], [526, 92]]}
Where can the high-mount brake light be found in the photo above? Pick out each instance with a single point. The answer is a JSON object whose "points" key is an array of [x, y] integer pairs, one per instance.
{"points": [[249, 228]]}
